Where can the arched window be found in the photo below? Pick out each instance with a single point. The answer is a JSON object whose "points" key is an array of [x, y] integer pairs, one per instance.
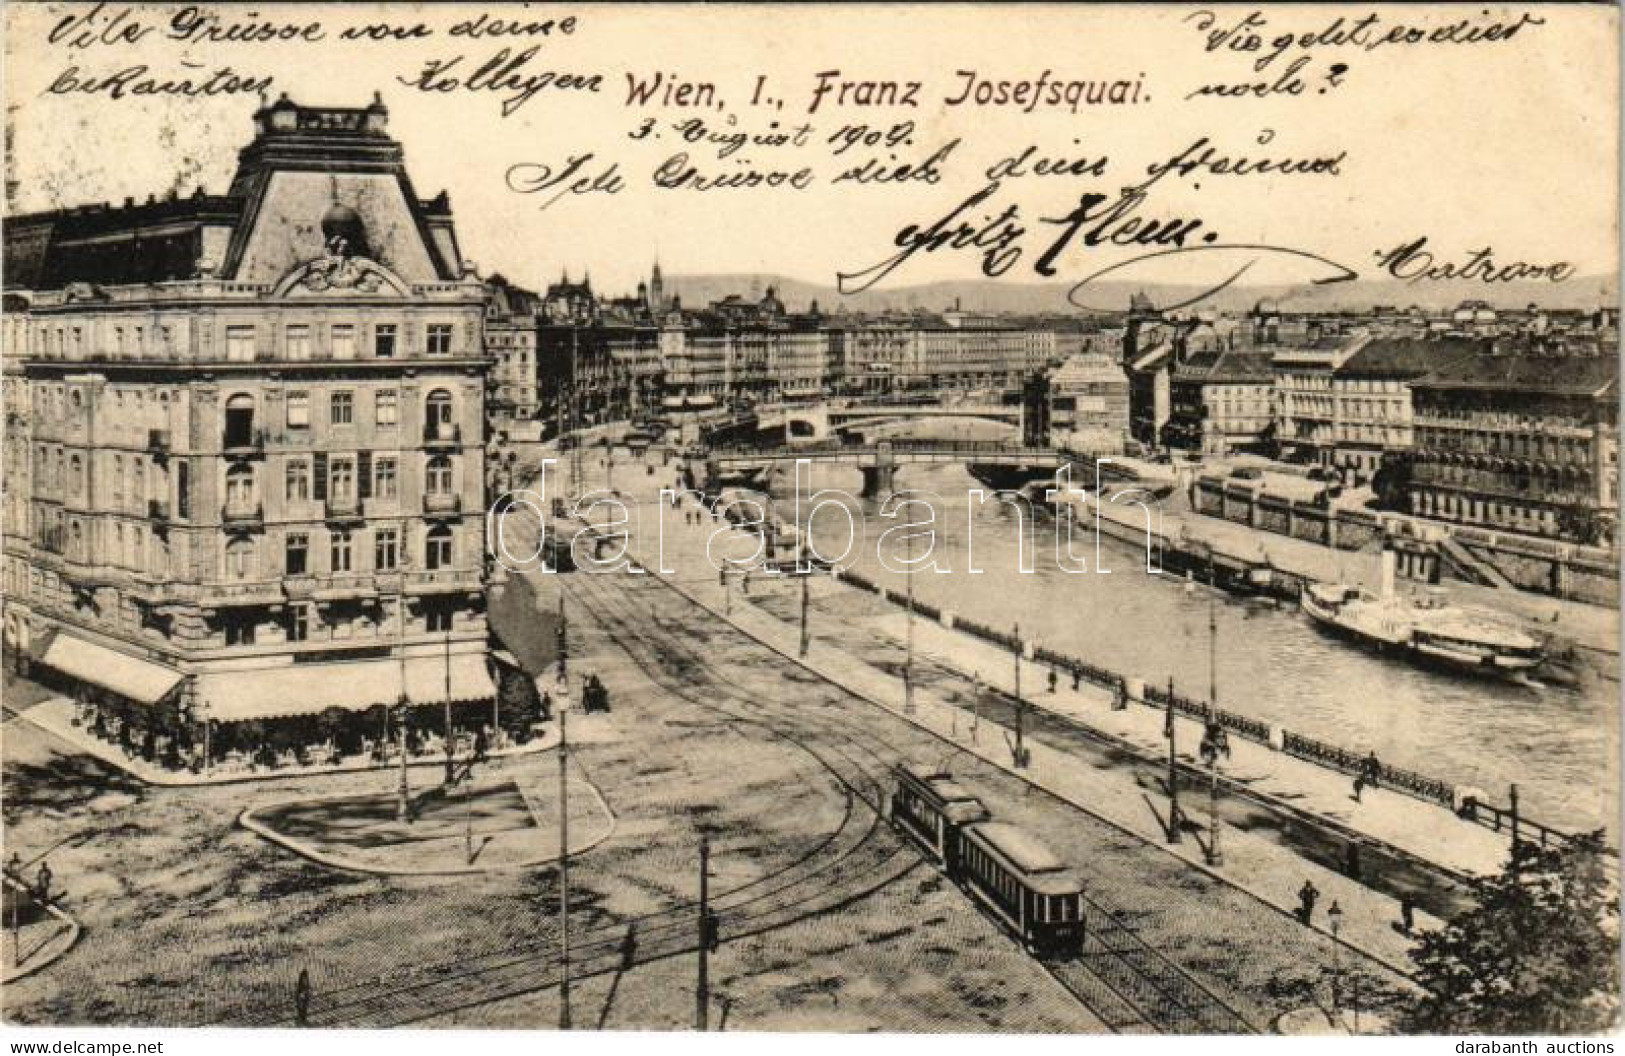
{"points": [[138, 481], [239, 421], [76, 475], [437, 479], [76, 540], [437, 547], [437, 415]]}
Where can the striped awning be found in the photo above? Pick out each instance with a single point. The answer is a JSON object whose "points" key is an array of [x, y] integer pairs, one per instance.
{"points": [[140, 680], [308, 689]]}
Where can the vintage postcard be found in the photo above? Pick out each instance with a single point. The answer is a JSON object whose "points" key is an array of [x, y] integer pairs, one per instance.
{"points": [[1031, 519]]}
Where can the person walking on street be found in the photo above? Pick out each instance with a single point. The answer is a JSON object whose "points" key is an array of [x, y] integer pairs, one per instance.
{"points": [[1308, 895], [301, 998], [1052, 680], [43, 884]]}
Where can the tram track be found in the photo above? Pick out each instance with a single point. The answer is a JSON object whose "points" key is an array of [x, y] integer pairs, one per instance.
{"points": [[849, 864]]}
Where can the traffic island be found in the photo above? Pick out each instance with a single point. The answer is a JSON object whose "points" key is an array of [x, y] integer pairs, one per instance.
{"points": [[492, 825]]}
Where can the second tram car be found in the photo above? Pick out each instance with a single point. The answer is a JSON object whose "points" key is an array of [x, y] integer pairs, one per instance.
{"points": [[1022, 882]]}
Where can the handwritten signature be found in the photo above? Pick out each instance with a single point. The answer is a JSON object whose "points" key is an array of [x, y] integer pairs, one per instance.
{"points": [[1098, 222]]}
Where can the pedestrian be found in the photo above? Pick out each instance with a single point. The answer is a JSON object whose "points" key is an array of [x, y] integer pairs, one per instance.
{"points": [[1407, 913], [301, 998], [1052, 680], [43, 885], [481, 745], [1308, 895], [14, 865], [1077, 676], [1359, 786]]}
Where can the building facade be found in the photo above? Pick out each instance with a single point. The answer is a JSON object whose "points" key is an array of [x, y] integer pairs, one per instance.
{"points": [[1523, 440], [253, 427]]}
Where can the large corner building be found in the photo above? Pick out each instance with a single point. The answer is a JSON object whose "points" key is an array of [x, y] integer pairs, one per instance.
{"points": [[244, 437]]}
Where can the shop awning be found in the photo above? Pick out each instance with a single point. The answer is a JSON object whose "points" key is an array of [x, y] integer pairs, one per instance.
{"points": [[128, 676], [308, 689]]}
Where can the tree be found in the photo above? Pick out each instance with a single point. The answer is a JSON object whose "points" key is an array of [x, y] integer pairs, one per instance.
{"points": [[1537, 954]]}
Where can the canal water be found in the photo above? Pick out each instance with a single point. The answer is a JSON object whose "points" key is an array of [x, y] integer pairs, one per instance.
{"points": [[1558, 745]]}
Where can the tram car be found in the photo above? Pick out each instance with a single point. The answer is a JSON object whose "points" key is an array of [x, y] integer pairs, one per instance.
{"points": [[1013, 875], [929, 807], [1025, 886]]}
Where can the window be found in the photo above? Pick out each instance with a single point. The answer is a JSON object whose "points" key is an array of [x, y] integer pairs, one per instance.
{"points": [[118, 480], [383, 340], [297, 554], [341, 480], [386, 551], [386, 406], [298, 342], [240, 559], [437, 416], [118, 340], [437, 479], [298, 481], [343, 341], [239, 343], [76, 475], [239, 631], [298, 410], [440, 339], [437, 619], [383, 478], [437, 551], [341, 408], [239, 421], [138, 484], [339, 552], [239, 489], [298, 623]]}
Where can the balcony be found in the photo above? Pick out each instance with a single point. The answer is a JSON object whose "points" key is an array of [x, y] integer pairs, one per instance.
{"points": [[442, 435], [441, 503], [443, 581], [340, 585], [243, 443], [299, 586], [158, 513], [242, 516], [343, 509], [226, 595], [158, 445]]}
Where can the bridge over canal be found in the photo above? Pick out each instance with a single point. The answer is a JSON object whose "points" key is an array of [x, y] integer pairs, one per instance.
{"points": [[879, 461]]}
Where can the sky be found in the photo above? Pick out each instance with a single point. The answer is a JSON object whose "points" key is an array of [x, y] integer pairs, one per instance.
{"points": [[1511, 144]]}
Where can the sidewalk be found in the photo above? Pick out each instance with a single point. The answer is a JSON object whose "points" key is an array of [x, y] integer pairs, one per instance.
{"points": [[55, 717], [1257, 865]]}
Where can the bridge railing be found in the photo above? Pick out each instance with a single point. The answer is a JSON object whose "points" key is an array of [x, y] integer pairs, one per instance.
{"points": [[900, 447]]}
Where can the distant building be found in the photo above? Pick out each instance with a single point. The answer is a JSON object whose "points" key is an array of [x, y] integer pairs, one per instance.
{"points": [[1523, 437], [1222, 402], [1088, 396], [1371, 399], [510, 345]]}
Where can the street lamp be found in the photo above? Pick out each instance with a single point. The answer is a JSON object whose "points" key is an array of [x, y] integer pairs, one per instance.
{"points": [[1335, 917]]}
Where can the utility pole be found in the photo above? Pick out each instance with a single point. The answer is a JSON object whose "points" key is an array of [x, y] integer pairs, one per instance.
{"points": [[908, 661], [1021, 707], [805, 629], [451, 740], [1173, 772], [702, 992], [403, 796], [564, 866], [1214, 737]]}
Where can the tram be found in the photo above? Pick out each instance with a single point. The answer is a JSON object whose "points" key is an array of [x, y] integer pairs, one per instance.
{"points": [[928, 806], [1010, 872]]}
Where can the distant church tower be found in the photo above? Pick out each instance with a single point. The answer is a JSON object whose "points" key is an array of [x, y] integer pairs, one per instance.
{"points": [[657, 291]]}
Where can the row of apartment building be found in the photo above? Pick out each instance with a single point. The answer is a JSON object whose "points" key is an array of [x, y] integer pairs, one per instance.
{"points": [[569, 353], [1466, 418]]}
